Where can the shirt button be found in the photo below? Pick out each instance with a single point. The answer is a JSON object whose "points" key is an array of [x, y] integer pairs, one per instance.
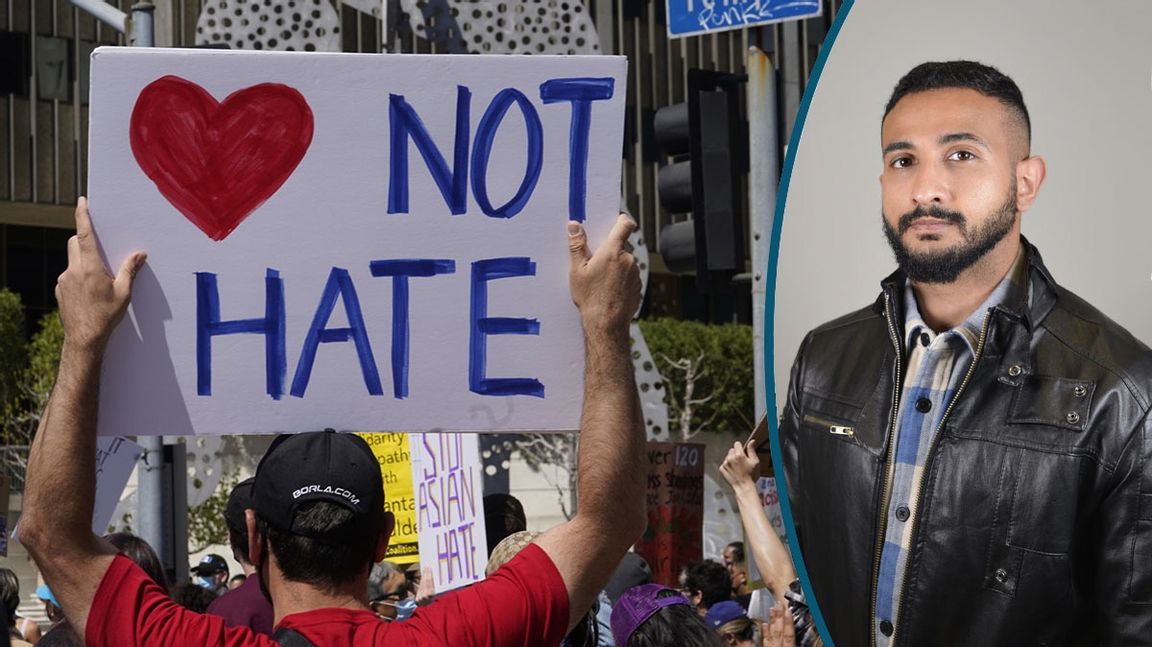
{"points": [[1080, 390], [1072, 417], [923, 405], [886, 628], [1015, 370], [924, 339], [902, 513], [1001, 575]]}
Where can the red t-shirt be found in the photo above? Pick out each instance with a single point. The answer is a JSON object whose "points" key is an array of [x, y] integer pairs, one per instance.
{"points": [[525, 603]]}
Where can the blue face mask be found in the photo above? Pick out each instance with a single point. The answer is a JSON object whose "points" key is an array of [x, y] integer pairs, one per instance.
{"points": [[405, 608]]}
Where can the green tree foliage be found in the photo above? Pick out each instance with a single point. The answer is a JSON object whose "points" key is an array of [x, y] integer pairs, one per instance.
{"points": [[44, 358], [206, 525], [13, 349], [27, 373], [708, 374], [16, 428]]}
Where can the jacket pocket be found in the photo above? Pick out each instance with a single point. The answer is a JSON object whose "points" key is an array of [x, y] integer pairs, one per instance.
{"points": [[1044, 511], [1052, 401]]}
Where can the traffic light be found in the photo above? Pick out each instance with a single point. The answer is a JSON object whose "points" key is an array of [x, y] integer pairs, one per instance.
{"points": [[704, 135]]}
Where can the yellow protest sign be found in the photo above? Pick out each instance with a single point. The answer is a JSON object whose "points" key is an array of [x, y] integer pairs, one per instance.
{"points": [[395, 458]]}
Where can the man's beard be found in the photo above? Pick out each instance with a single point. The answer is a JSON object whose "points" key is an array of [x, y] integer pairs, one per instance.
{"points": [[945, 265]]}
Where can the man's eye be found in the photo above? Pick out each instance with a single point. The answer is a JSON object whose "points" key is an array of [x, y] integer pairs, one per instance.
{"points": [[963, 156], [901, 162]]}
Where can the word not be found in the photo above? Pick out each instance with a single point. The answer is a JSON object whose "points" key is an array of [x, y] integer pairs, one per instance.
{"points": [[340, 287], [405, 125]]}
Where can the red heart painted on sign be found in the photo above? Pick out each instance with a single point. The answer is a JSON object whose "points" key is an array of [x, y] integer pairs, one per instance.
{"points": [[216, 162]]}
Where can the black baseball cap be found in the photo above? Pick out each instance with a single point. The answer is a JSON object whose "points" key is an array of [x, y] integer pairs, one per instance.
{"points": [[210, 564], [317, 466], [238, 501]]}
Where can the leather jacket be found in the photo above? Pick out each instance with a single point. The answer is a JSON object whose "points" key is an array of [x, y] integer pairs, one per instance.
{"points": [[1035, 518]]}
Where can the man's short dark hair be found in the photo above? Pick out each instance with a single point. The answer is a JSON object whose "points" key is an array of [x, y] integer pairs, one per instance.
{"points": [[711, 579], [339, 547], [984, 79], [239, 500], [503, 516], [737, 551]]}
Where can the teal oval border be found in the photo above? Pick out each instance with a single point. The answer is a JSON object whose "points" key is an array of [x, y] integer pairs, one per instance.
{"points": [[770, 319]]}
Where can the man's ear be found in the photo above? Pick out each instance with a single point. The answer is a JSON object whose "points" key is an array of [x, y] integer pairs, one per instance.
{"points": [[254, 544], [385, 535], [1030, 173]]}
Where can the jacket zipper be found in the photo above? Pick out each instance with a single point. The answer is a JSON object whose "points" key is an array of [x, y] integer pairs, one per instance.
{"points": [[915, 503], [889, 467]]}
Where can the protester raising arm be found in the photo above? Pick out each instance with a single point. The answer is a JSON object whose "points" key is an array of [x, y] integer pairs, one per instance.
{"points": [[740, 469], [610, 484], [61, 480]]}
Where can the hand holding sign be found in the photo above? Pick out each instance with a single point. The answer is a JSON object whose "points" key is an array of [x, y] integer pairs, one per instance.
{"points": [[605, 285], [91, 300], [741, 466]]}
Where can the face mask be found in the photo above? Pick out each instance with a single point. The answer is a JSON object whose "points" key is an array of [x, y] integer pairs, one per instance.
{"points": [[401, 610], [405, 608]]}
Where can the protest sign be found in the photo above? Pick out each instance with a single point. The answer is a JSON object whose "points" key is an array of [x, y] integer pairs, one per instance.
{"points": [[349, 241], [674, 536], [450, 507], [115, 458], [394, 453], [770, 500]]}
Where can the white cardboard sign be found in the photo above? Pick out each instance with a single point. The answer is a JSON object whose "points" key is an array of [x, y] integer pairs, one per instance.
{"points": [[447, 478], [770, 499], [355, 241], [115, 459]]}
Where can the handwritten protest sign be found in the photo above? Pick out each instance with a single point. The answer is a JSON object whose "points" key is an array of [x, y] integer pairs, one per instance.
{"points": [[450, 507], [350, 241], [115, 459], [393, 452], [674, 536], [770, 500]]}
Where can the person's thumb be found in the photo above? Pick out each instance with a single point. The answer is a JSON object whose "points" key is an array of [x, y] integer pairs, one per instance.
{"points": [[122, 284], [577, 243]]}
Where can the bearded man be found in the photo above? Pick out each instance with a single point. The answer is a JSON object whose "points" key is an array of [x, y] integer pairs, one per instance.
{"points": [[968, 459]]}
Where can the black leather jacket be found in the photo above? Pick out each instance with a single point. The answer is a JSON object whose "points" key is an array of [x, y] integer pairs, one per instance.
{"points": [[1035, 522]]}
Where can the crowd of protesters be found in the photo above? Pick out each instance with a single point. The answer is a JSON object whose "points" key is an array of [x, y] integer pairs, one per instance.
{"points": [[710, 607], [311, 556]]}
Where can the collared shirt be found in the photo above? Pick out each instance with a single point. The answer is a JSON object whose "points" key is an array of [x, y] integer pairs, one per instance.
{"points": [[936, 366]]}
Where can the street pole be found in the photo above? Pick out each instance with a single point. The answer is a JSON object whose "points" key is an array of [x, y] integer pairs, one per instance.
{"points": [[763, 176], [143, 27], [161, 476]]}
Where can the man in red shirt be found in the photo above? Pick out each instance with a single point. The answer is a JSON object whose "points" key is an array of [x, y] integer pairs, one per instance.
{"points": [[318, 520]]}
